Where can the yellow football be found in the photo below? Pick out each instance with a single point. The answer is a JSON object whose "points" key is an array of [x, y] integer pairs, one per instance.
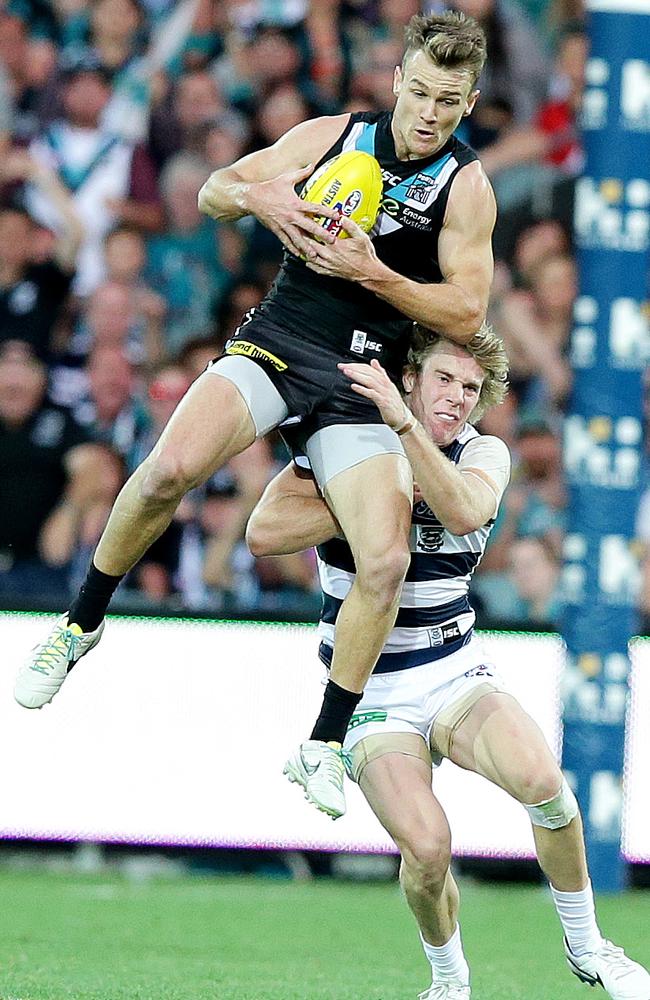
{"points": [[350, 182]]}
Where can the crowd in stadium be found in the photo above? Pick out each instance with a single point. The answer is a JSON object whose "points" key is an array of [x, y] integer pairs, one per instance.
{"points": [[115, 291]]}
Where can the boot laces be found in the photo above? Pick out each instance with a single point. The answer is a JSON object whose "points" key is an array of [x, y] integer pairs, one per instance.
{"points": [[62, 642]]}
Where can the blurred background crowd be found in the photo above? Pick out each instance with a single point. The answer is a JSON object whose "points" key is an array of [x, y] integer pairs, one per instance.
{"points": [[115, 292]]}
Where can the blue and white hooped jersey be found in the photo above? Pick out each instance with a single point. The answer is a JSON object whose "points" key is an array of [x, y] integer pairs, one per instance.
{"points": [[435, 617], [405, 237]]}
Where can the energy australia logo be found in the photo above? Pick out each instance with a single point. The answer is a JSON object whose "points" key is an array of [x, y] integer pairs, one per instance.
{"points": [[603, 451], [628, 334], [613, 215], [635, 95]]}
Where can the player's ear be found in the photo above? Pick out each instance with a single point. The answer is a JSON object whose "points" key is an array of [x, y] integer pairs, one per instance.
{"points": [[397, 80], [471, 101], [408, 379]]}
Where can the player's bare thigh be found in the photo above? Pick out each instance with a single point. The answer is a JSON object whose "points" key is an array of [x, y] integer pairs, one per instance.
{"points": [[398, 789], [210, 425], [372, 501], [366, 479], [500, 741], [222, 413]]}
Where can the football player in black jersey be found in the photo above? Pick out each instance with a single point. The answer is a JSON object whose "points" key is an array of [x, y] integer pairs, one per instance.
{"points": [[353, 299]]}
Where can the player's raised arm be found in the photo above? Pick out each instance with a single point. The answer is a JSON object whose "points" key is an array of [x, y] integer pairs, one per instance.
{"points": [[263, 184], [290, 516]]}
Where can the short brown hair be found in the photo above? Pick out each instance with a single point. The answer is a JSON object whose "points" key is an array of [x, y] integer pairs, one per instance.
{"points": [[485, 347], [451, 40]]}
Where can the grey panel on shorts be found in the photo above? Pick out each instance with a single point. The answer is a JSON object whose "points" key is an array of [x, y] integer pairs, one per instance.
{"points": [[339, 447], [265, 404]]}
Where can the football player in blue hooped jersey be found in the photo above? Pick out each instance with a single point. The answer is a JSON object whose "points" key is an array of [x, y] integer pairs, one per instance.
{"points": [[433, 694], [430, 260]]}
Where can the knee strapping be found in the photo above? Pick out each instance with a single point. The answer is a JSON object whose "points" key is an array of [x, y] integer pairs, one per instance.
{"points": [[556, 812]]}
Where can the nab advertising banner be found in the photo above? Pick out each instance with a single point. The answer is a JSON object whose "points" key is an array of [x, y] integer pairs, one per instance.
{"points": [[603, 444]]}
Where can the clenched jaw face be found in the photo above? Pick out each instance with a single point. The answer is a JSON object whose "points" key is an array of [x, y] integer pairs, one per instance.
{"points": [[444, 394]]}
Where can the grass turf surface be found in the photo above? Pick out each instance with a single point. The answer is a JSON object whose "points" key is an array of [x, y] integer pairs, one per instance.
{"points": [[239, 938]]}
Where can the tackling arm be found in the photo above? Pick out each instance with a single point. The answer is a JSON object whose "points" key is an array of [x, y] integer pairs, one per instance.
{"points": [[462, 499], [290, 516]]}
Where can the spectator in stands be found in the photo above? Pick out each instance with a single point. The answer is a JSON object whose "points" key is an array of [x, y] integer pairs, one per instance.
{"points": [[536, 243], [373, 79], [535, 324], [244, 294], [283, 108], [185, 262], [110, 180], [535, 573], [52, 474], [549, 143], [225, 140], [197, 353], [116, 318], [18, 94], [112, 410], [179, 117], [529, 593], [126, 258], [535, 501], [32, 293], [517, 71]]}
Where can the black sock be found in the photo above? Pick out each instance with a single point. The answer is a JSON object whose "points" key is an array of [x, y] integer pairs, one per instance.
{"points": [[335, 714], [90, 606]]}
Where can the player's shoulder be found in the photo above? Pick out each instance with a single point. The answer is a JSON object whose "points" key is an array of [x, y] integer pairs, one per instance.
{"points": [[334, 124], [471, 197], [472, 440], [471, 180]]}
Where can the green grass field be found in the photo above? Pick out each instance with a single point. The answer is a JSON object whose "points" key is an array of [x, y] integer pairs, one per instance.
{"points": [[68, 937]]}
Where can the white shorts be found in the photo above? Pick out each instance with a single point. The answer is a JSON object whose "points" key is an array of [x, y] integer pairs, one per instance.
{"points": [[415, 711]]}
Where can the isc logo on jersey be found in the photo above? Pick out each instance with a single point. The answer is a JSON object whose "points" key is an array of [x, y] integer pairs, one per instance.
{"points": [[351, 183]]}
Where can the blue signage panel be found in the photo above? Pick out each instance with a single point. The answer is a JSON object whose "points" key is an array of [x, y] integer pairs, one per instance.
{"points": [[603, 437]]}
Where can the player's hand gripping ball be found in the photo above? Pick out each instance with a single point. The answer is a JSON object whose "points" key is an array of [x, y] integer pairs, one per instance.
{"points": [[350, 182]]}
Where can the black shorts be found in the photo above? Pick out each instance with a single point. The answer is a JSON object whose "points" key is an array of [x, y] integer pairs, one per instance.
{"points": [[305, 372]]}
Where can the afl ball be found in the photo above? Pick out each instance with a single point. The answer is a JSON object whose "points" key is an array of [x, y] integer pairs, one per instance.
{"points": [[350, 182]]}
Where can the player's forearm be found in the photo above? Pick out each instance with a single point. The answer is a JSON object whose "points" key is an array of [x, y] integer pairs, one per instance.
{"points": [[444, 307], [447, 491], [290, 523], [227, 196]]}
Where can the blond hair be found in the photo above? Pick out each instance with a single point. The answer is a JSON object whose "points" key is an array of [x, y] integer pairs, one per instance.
{"points": [[452, 40], [485, 347]]}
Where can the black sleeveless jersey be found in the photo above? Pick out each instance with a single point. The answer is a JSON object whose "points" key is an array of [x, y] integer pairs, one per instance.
{"points": [[405, 237]]}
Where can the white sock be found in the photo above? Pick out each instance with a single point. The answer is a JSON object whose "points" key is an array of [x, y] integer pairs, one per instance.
{"points": [[577, 915], [448, 961]]}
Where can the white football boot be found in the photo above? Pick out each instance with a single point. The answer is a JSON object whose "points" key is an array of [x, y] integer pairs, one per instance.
{"points": [[319, 767], [41, 676], [610, 968], [451, 990]]}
